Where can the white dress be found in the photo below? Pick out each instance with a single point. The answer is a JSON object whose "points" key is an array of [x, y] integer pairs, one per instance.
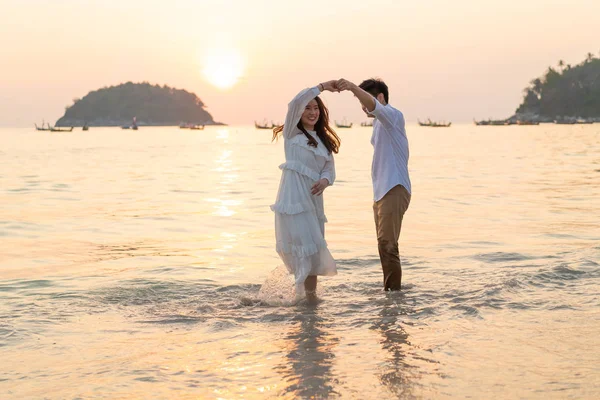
{"points": [[299, 215]]}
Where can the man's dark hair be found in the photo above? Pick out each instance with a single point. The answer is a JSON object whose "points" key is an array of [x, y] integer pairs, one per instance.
{"points": [[374, 87]]}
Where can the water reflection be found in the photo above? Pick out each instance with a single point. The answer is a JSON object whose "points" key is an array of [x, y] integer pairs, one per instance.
{"points": [[224, 207], [226, 169], [396, 373], [223, 161], [223, 134], [225, 177], [306, 368]]}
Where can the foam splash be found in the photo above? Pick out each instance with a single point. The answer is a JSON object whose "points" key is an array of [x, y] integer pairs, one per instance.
{"points": [[279, 288]]}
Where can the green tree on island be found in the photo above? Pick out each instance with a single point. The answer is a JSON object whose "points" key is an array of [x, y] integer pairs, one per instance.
{"points": [[567, 92]]}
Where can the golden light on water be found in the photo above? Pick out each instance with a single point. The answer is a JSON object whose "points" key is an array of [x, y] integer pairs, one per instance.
{"points": [[223, 134], [224, 205], [223, 67]]}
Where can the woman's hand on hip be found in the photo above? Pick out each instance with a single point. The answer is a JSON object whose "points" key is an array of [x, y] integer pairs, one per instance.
{"points": [[319, 187]]}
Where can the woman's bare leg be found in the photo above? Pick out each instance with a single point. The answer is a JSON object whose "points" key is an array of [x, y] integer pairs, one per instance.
{"points": [[310, 286]]}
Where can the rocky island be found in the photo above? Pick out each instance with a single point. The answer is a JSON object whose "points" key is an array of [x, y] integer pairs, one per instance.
{"points": [[564, 93], [150, 104]]}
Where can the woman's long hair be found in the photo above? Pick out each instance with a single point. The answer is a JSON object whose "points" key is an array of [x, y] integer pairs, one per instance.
{"points": [[327, 135]]}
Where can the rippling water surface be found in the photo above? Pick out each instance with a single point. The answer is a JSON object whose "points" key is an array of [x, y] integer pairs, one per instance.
{"points": [[131, 263]]}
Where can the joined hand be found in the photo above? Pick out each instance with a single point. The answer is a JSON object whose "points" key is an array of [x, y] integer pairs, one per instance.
{"points": [[330, 86], [337, 85], [343, 84]]}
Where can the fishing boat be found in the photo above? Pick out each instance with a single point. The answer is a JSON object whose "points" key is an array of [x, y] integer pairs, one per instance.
{"points": [[55, 129], [132, 126], [188, 125], [264, 125], [38, 128], [433, 124], [492, 122], [565, 121], [343, 124], [525, 122], [366, 123]]}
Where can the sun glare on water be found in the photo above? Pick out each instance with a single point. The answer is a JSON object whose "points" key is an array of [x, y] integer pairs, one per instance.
{"points": [[223, 67]]}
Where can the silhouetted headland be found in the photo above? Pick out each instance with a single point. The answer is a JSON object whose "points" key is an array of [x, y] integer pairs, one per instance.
{"points": [[152, 105]]}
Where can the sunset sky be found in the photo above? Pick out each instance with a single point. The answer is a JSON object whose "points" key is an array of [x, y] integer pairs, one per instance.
{"points": [[451, 60]]}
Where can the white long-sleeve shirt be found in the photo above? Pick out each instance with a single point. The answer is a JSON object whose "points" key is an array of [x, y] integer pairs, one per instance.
{"points": [[390, 158]]}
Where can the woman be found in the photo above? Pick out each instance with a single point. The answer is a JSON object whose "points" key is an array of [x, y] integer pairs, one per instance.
{"points": [[309, 145]]}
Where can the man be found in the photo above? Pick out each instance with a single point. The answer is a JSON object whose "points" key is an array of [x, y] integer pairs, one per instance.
{"points": [[389, 171]]}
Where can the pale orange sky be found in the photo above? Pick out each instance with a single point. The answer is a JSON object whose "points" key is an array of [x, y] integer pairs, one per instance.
{"points": [[451, 60]]}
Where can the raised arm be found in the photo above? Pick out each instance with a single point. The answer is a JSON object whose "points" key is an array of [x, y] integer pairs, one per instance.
{"points": [[365, 98], [385, 114], [298, 104], [296, 108]]}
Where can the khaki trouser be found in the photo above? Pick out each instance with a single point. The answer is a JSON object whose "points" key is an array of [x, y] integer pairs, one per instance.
{"points": [[388, 222]]}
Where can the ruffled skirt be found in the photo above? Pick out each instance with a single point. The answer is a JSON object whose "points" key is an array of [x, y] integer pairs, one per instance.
{"points": [[300, 226]]}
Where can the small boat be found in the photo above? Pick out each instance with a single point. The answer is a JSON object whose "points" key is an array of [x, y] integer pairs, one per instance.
{"points": [[38, 128], [132, 126], [85, 127], [52, 128], [366, 123], [264, 125], [343, 124], [584, 121], [195, 127], [433, 124], [492, 122], [524, 122], [565, 121]]}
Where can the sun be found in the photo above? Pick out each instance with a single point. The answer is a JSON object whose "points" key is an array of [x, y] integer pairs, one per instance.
{"points": [[223, 67]]}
